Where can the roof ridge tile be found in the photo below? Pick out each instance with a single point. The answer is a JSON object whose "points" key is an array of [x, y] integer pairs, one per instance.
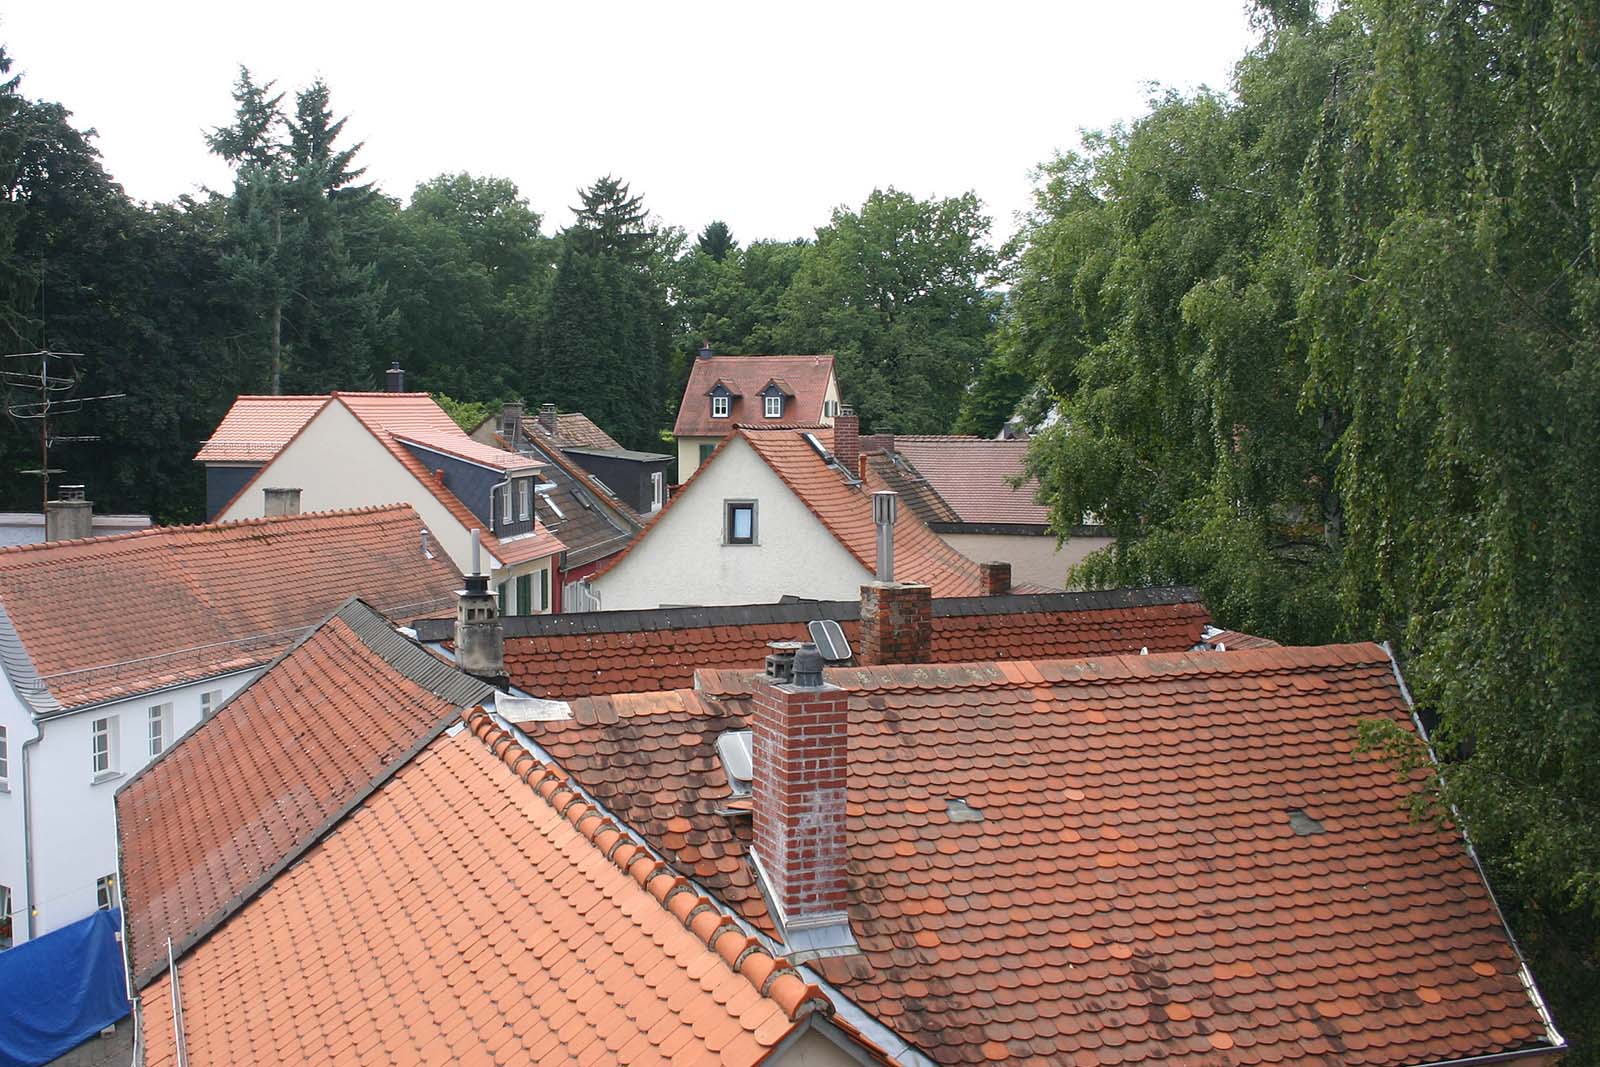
{"points": [[782, 984]]}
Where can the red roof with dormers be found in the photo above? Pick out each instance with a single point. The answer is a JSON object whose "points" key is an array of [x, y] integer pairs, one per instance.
{"points": [[804, 379], [108, 617], [1170, 858]]}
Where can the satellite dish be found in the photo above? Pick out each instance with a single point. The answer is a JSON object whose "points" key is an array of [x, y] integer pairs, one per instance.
{"points": [[829, 639]]}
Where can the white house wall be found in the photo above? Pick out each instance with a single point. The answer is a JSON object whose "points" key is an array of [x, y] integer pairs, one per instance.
{"points": [[18, 723], [74, 823], [1033, 558], [336, 463], [682, 560]]}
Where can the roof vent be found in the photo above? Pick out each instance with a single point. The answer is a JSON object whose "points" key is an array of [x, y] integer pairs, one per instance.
{"points": [[885, 510], [72, 492], [780, 661], [960, 811], [808, 667]]}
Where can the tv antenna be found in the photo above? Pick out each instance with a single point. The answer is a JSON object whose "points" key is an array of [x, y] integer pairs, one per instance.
{"points": [[41, 387]]}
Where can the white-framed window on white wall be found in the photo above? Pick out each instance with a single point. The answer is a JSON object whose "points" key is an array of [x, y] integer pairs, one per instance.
{"points": [[658, 490], [210, 701], [105, 892], [5, 761], [103, 747], [158, 726]]}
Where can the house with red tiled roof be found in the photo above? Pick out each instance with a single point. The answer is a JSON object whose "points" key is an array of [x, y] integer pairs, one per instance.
{"points": [[725, 391], [389, 872], [774, 513], [115, 646], [978, 496], [1165, 858], [285, 454]]}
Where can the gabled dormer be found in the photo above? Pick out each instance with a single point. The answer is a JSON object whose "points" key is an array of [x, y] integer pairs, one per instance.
{"points": [[722, 396], [775, 398]]}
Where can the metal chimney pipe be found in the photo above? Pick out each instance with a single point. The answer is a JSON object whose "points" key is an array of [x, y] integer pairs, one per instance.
{"points": [[476, 569], [885, 505]]}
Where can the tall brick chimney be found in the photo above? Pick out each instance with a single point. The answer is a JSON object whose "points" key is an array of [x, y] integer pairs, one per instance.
{"points": [[511, 422], [847, 439], [994, 578], [394, 378], [896, 624], [547, 418], [800, 758]]}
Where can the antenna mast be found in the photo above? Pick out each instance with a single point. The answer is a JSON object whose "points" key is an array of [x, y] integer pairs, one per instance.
{"points": [[40, 388]]}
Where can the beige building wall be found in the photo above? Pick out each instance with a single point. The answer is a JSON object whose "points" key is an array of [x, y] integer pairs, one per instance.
{"points": [[1033, 559]]}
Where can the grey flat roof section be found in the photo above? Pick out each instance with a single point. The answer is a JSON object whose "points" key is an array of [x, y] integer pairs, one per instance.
{"points": [[620, 453], [803, 611]]}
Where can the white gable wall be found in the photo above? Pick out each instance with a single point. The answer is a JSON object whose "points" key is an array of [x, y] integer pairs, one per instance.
{"points": [[682, 559], [336, 463]]}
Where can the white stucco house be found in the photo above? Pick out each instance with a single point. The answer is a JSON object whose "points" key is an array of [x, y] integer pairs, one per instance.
{"points": [[727, 391], [276, 454], [772, 513], [113, 648]]}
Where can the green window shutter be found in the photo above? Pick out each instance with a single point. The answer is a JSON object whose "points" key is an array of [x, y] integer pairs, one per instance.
{"points": [[503, 586], [705, 452], [544, 590], [525, 594]]}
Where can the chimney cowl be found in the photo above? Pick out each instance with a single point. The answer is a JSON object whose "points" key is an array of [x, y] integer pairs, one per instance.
{"points": [[807, 667], [480, 635], [780, 661]]}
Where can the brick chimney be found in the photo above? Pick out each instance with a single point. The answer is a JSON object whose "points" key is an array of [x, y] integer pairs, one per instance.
{"points": [[800, 759], [994, 578], [704, 351], [877, 442], [896, 624], [511, 423], [70, 516], [480, 636], [547, 418], [395, 378], [280, 502], [847, 438]]}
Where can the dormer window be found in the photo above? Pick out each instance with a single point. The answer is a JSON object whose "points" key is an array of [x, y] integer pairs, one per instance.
{"points": [[772, 406], [719, 407]]}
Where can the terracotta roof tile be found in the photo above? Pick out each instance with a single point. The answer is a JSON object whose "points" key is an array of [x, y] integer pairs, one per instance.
{"points": [[574, 429], [1179, 859], [806, 379], [915, 491], [973, 474], [257, 427], [624, 652], [246, 787], [501, 920], [107, 617]]}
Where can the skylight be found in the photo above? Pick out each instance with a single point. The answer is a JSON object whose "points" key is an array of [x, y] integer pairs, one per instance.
{"points": [[734, 748]]}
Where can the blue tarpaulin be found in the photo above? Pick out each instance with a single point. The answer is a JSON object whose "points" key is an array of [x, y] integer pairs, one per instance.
{"points": [[59, 990]]}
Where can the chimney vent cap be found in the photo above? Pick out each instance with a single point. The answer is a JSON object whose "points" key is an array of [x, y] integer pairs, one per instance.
{"points": [[808, 667], [72, 492]]}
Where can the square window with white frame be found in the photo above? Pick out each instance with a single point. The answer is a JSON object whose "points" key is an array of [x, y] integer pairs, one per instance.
{"points": [[719, 407], [5, 760], [105, 892], [210, 701], [159, 726], [103, 747], [739, 522], [774, 407]]}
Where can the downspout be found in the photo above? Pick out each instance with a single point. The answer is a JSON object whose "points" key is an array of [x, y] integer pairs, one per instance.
{"points": [[27, 825], [506, 485]]}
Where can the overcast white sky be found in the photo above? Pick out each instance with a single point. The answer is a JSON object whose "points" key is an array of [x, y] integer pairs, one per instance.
{"points": [[766, 116]]}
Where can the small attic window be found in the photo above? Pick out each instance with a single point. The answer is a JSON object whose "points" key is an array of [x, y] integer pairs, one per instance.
{"points": [[1304, 824], [719, 407], [960, 811], [734, 749], [772, 406]]}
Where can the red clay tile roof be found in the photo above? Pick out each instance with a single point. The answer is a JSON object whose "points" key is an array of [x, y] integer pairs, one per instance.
{"points": [[574, 429], [1236, 641], [596, 653], [497, 922], [257, 427], [915, 492], [972, 474], [108, 617], [394, 417], [920, 555], [806, 376], [1179, 859], [247, 787]]}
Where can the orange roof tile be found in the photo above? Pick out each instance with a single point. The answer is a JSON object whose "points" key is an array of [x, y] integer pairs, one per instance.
{"points": [[597, 653], [257, 427], [500, 920], [973, 475], [1233, 639], [805, 378], [247, 787], [107, 617], [1179, 859]]}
